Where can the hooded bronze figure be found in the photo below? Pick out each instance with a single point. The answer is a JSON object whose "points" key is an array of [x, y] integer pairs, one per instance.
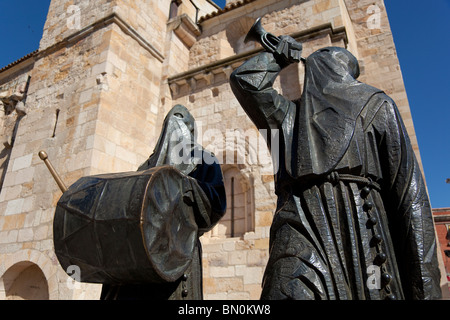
{"points": [[178, 149], [138, 233], [353, 219]]}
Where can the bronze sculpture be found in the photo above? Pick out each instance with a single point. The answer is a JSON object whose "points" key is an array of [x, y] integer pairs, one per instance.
{"points": [[138, 232], [351, 197]]}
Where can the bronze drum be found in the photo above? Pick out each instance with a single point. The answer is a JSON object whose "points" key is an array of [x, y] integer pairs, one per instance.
{"points": [[132, 227]]}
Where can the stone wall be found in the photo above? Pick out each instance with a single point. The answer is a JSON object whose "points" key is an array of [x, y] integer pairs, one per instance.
{"points": [[13, 91], [104, 77], [91, 105], [62, 107]]}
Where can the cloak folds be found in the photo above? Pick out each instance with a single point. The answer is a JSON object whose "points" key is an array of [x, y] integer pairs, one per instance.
{"points": [[331, 102], [353, 219]]}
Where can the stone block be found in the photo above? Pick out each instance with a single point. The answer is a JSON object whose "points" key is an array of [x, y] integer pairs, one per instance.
{"points": [[25, 235], [257, 257], [125, 155], [209, 285], [104, 145], [253, 275], [254, 291], [13, 222], [321, 6], [212, 247], [237, 257], [262, 243], [264, 218], [14, 207], [41, 233], [218, 259], [228, 285], [9, 236], [11, 193], [216, 296], [221, 272], [28, 204], [229, 246], [238, 296], [22, 162], [47, 215], [85, 96]]}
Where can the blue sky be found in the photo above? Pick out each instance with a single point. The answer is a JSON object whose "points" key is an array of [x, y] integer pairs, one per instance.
{"points": [[422, 36]]}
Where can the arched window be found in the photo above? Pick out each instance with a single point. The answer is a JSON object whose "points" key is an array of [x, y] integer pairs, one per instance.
{"points": [[25, 281], [239, 217], [236, 32]]}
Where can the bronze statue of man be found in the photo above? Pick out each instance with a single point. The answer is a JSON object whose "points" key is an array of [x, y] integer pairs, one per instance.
{"points": [[353, 219]]}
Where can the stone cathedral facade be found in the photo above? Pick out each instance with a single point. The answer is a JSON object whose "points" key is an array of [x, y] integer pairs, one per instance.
{"points": [[95, 93]]}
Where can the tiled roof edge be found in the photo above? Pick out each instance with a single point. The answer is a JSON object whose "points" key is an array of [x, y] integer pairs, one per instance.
{"points": [[227, 8], [12, 64]]}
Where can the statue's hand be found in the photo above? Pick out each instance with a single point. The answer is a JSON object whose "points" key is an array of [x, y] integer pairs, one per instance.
{"points": [[289, 50]]}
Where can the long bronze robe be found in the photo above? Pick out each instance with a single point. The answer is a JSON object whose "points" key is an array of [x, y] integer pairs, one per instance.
{"points": [[351, 197]]}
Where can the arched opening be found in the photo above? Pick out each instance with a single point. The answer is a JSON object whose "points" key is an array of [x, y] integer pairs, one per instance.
{"points": [[25, 281], [236, 33], [239, 217]]}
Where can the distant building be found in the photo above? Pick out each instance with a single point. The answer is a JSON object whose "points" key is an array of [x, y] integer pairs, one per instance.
{"points": [[442, 222], [96, 91]]}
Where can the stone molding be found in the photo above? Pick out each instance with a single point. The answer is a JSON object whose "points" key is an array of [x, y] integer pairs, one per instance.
{"points": [[227, 65], [112, 18], [442, 218], [185, 29]]}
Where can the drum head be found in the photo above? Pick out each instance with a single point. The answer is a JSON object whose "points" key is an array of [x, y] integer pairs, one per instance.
{"points": [[168, 224]]}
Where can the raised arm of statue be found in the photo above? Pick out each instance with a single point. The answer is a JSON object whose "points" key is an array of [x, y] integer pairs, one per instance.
{"points": [[252, 84]]}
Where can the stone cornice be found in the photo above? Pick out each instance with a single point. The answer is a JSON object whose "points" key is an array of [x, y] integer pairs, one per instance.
{"points": [[186, 30], [112, 18], [442, 218], [227, 65]]}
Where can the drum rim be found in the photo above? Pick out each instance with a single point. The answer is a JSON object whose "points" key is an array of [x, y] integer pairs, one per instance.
{"points": [[165, 276]]}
